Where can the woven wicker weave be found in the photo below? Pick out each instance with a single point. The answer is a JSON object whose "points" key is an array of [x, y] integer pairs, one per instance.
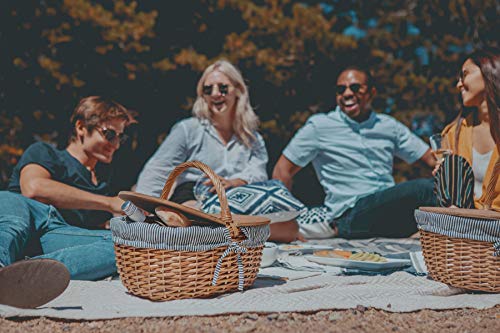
{"points": [[162, 275], [461, 262]]}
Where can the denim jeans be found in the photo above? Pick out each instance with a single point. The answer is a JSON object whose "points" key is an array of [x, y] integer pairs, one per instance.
{"points": [[88, 254], [388, 213]]}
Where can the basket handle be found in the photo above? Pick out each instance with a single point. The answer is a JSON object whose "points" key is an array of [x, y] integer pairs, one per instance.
{"points": [[225, 213]]}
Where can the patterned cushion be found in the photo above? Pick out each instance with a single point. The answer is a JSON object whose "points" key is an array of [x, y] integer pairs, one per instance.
{"points": [[256, 199]]}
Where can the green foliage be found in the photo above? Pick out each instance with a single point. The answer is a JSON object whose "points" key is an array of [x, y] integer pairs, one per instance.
{"points": [[149, 55]]}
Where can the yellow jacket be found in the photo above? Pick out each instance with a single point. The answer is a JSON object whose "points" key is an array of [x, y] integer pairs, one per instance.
{"points": [[464, 149]]}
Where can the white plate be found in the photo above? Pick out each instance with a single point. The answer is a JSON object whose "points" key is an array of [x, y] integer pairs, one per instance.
{"points": [[282, 216], [303, 247], [366, 265]]}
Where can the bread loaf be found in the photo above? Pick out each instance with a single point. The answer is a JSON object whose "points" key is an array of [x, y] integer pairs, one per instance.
{"points": [[171, 217]]}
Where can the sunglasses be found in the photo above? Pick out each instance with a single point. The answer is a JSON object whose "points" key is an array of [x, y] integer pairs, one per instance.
{"points": [[355, 88], [111, 136], [223, 89]]}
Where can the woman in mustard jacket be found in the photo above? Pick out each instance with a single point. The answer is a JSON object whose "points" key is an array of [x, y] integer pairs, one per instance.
{"points": [[476, 136]]}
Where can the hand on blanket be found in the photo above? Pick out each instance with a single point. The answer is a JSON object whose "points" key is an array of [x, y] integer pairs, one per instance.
{"points": [[226, 183]]}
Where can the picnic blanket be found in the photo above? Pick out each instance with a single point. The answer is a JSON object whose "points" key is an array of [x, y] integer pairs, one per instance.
{"points": [[277, 289]]}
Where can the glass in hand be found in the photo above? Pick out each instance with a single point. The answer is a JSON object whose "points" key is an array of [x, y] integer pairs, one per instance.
{"points": [[440, 146]]}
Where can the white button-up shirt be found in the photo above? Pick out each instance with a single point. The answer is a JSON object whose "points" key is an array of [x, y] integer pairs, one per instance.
{"points": [[197, 139]]}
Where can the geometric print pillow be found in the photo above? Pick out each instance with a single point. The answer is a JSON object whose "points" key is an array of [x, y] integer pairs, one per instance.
{"points": [[256, 199]]}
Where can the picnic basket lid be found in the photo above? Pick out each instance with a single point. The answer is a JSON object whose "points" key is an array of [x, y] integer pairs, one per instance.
{"points": [[149, 203], [483, 214], [231, 221]]}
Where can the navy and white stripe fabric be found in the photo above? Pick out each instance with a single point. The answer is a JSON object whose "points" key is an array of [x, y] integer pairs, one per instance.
{"points": [[454, 183], [193, 239], [460, 227]]}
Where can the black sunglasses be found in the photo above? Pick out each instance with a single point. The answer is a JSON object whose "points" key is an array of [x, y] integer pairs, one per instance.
{"points": [[355, 88], [111, 136], [223, 89]]}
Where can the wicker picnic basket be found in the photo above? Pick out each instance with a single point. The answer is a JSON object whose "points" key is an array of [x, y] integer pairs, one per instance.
{"points": [[167, 263], [461, 247]]}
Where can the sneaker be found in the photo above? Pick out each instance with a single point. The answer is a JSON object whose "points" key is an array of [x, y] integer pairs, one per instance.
{"points": [[31, 283]]}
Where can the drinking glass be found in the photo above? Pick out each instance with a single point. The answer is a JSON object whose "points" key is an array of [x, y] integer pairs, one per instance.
{"points": [[440, 146], [201, 191]]}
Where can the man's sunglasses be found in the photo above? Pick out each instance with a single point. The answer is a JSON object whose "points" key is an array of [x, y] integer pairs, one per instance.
{"points": [[355, 88], [223, 89], [111, 136]]}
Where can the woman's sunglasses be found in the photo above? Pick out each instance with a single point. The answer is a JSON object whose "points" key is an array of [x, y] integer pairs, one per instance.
{"points": [[111, 136], [355, 88], [223, 89]]}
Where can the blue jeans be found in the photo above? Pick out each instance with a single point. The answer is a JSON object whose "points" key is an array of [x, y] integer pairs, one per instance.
{"points": [[387, 213], [88, 254]]}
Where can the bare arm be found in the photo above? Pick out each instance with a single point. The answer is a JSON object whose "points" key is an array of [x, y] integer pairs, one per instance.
{"points": [[429, 158], [36, 183], [284, 170]]}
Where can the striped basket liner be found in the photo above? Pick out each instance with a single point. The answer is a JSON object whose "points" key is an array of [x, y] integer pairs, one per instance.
{"points": [[194, 238], [463, 252], [461, 227]]}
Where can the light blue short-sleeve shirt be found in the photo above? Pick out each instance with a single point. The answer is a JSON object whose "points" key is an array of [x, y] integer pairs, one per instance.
{"points": [[353, 159], [196, 139]]}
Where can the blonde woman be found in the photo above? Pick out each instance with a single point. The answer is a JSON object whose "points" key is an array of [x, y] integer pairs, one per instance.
{"points": [[222, 134]]}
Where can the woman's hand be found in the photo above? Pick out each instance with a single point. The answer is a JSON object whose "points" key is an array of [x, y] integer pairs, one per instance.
{"points": [[438, 164], [226, 183]]}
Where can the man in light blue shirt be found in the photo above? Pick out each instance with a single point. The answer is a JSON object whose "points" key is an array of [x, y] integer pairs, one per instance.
{"points": [[352, 150]]}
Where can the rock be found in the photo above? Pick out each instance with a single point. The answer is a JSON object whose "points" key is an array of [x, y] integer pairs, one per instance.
{"points": [[252, 316], [361, 308], [272, 316]]}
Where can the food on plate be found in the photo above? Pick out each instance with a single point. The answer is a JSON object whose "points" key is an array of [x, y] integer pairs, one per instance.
{"points": [[291, 247], [340, 254], [365, 256]]}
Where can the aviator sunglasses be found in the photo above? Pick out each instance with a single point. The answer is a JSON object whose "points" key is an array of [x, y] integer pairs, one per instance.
{"points": [[355, 88], [223, 89], [111, 136]]}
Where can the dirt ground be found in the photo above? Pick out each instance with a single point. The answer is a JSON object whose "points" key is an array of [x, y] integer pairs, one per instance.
{"points": [[355, 320]]}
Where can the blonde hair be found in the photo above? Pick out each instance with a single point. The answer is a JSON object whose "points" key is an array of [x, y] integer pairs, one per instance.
{"points": [[246, 121]]}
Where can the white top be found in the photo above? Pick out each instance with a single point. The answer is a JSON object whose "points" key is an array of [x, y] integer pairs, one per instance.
{"points": [[194, 139], [479, 166]]}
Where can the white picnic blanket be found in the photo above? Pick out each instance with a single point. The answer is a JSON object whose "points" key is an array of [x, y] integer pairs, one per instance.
{"points": [[278, 289], [398, 292]]}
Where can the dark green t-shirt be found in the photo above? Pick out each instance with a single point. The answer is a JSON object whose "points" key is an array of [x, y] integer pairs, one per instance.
{"points": [[66, 169]]}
